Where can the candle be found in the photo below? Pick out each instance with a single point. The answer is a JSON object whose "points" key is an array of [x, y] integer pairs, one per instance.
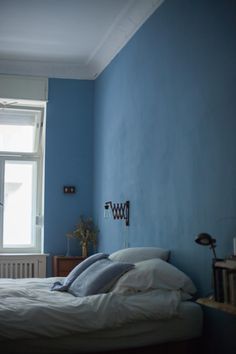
{"points": [[234, 242]]}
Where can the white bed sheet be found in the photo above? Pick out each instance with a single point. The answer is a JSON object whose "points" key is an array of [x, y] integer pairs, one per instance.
{"points": [[187, 325], [28, 309]]}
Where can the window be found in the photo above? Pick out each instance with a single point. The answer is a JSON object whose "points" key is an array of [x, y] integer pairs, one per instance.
{"points": [[21, 139], [19, 130]]}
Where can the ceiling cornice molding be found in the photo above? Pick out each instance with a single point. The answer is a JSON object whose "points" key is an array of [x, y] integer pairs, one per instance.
{"points": [[136, 13], [131, 18]]}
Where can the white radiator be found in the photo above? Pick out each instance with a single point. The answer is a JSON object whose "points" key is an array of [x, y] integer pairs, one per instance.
{"points": [[23, 266]]}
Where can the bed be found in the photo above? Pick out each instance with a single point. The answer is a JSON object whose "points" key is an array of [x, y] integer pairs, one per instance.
{"points": [[132, 300]]}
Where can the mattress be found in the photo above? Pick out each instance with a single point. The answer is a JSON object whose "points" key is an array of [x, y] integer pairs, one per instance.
{"points": [[187, 325]]}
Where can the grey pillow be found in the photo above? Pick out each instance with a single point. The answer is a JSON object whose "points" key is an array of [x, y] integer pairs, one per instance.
{"points": [[80, 268], [139, 254], [99, 277]]}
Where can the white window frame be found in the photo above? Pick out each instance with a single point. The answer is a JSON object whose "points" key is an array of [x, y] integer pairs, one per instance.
{"points": [[37, 156]]}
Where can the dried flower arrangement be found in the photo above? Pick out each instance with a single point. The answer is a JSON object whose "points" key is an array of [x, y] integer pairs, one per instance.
{"points": [[86, 231]]}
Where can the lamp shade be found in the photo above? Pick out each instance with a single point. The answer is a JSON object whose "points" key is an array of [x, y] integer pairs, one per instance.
{"points": [[205, 239]]}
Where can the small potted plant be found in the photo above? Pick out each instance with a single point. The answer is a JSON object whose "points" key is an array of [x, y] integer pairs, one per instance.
{"points": [[86, 231]]}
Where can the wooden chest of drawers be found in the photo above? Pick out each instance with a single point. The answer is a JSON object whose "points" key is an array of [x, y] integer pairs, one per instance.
{"points": [[62, 265]]}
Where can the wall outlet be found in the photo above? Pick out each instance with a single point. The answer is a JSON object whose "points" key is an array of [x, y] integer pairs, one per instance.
{"points": [[69, 189]]}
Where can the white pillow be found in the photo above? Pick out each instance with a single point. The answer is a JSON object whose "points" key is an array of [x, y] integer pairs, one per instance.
{"points": [[138, 254], [154, 274]]}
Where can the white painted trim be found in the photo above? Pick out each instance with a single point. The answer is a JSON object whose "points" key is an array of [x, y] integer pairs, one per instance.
{"points": [[23, 87], [46, 69], [38, 158], [126, 25], [131, 18], [35, 245]]}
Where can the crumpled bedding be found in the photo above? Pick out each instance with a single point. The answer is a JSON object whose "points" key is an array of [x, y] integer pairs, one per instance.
{"points": [[29, 309]]}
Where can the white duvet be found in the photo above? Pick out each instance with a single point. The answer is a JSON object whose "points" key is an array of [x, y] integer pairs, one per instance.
{"points": [[29, 309]]}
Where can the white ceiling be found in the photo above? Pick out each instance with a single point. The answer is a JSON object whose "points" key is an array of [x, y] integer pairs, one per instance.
{"points": [[67, 38]]}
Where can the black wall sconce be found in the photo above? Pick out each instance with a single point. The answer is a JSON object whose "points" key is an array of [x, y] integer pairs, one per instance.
{"points": [[120, 211]]}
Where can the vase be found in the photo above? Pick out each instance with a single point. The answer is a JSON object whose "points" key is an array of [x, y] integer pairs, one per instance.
{"points": [[68, 247], [84, 250]]}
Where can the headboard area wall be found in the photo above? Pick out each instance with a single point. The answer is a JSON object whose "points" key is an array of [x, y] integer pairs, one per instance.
{"points": [[68, 161], [164, 135]]}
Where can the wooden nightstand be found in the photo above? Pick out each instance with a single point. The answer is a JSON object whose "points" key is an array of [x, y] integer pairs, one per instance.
{"points": [[62, 265], [218, 327], [217, 305]]}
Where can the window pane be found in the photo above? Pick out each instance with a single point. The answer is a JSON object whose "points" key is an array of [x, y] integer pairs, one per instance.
{"points": [[18, 130], [18, 206]]}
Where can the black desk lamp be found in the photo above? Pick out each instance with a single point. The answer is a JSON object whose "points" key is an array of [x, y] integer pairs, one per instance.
{"points": [[206, 240]]}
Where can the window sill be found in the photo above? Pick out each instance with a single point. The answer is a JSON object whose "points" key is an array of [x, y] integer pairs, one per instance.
{"points": [[24, 254]]}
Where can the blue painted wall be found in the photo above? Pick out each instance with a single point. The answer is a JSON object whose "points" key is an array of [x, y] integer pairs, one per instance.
{"points": [[165, 123], [69, 160]]}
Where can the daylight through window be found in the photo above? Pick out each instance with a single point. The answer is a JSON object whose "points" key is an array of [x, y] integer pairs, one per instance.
{"points": [[21, 138]]}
